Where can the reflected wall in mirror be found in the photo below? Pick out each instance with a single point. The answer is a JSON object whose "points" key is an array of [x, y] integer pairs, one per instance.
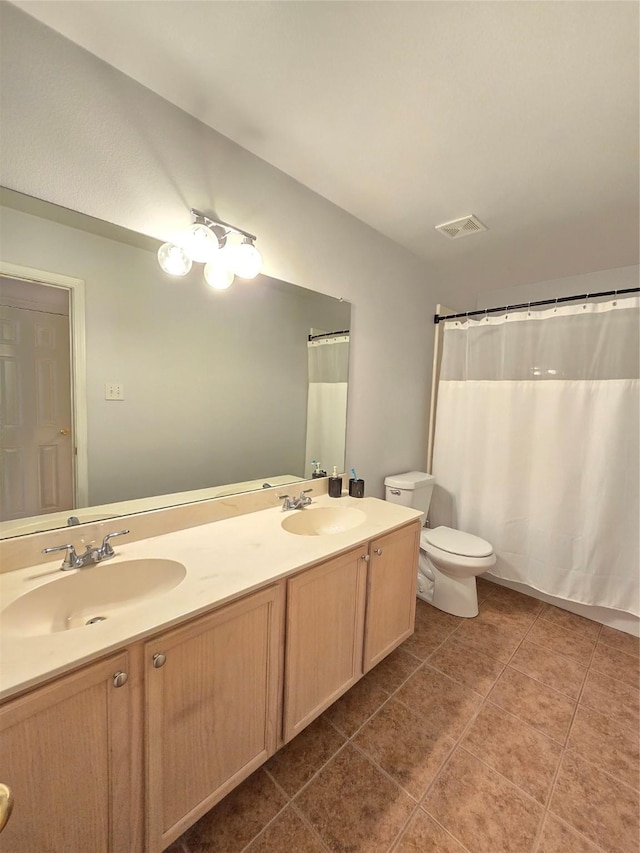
{"points": [[221, 391]]}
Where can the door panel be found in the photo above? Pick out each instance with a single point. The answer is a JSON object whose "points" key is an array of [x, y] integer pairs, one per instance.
{"points": [[36, 441]]}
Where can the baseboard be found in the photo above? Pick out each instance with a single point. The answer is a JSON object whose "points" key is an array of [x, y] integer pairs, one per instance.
{"points": [[617, 619]]}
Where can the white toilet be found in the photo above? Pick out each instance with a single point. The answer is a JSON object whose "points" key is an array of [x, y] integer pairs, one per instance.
{"points": [[450, 560]]}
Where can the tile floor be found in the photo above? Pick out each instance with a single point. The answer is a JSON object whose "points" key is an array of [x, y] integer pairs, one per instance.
{"points": [[514, 732]]}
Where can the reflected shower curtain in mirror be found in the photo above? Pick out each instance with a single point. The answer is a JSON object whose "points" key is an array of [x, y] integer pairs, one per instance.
{"points": [[327, 402], [536, 446]]}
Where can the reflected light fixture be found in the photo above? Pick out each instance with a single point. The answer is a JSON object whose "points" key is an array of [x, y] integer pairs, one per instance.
{"points": [[206, 242], [173, 259]]}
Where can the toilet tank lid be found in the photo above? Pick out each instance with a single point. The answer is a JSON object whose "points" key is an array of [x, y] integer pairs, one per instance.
{"points": [[456, 542], [410, 480]]}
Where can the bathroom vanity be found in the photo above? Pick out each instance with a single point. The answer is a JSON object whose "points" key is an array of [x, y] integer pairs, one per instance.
{"points": [[118, 735]]}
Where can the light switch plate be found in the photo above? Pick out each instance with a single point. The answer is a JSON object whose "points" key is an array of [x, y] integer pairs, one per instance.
{"points": [[114, 391]]}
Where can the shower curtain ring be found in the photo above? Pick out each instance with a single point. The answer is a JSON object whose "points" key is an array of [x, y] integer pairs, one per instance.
{"points": [[585, 302], [486, 314], [529, 310], [555, 307], [615, 297]]}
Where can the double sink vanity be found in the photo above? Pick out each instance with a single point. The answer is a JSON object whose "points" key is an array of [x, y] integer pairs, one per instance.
{"points": [[137, 692]]}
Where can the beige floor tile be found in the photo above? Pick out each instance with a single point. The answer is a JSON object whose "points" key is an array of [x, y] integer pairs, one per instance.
{"points": [[178, 846], [424, 835], [543, 708], [481, 809], [557, 837], [445, 706], [398, 741], [294, 764], [560, 673], [611, 662], [570, 621], [507, 614], [353, 806], [620, 640], [464, 663], [287, 834], [356, 706], [563, 642], [517, 599], [390, 673], [598, 806], [237, 819], [496, 641], [607, 744], [524, 755], [484, 588], [432, 628], [612, 698]]}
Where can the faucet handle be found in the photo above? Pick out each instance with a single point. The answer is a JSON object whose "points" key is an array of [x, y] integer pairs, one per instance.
{"points": [[71, 558], [106, 549], [306, 491]]}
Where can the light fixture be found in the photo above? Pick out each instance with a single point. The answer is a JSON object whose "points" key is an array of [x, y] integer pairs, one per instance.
{"points": [[218, 276], [245, 260], [225, 250], [200, 243], [173, 259]]}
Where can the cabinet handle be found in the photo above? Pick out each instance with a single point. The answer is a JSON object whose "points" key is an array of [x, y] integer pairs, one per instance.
{"points": [[120, 678], [365, 557], [159, 660], [377, 551], [6, 805]]}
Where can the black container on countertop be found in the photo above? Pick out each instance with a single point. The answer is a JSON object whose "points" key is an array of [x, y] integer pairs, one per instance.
{"points": [[356, 488], [335, 484]]}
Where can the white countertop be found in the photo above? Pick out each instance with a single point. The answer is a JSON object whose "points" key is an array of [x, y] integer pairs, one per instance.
{"points": [[224, 560]]}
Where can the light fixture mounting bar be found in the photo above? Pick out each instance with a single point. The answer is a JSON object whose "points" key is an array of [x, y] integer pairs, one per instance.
{"points": [[213, 222]]}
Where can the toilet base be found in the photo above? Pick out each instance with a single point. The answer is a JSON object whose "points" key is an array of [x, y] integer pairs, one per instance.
{"points": [[457, 596]]}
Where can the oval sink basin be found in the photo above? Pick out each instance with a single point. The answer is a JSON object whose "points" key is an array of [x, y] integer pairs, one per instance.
{"points": [[322, 521], [89, 596]]}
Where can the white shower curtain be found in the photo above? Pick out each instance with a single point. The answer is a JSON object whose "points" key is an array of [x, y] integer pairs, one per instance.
{"points": [[327, 402], [536, 447]]}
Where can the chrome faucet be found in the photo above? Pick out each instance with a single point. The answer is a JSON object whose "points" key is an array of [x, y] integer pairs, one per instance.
{"points": [[296, 503], [90, 557]]}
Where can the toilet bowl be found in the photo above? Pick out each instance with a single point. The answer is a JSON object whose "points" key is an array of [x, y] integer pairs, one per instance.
{"points": [[450, 560]]}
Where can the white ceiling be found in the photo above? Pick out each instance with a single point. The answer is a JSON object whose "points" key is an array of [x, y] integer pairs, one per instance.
{"points": [[410, 114]]}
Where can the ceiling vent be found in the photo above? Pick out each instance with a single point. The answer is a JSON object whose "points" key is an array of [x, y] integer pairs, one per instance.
{"points": [[461, 227]]}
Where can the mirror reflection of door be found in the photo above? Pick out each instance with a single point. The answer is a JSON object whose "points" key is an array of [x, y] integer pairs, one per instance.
{"points": [[36, 438]]}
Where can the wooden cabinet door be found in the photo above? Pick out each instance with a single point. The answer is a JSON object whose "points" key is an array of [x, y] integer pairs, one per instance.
{"points": [[65, 751], [323, 654], [212, 708], [391, 592]]}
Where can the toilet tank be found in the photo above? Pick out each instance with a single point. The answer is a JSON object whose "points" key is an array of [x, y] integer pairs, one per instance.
{"points": [[412, 489]]}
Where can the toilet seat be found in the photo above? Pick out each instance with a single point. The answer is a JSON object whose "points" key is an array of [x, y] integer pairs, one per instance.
{"points": [[455, 542]]}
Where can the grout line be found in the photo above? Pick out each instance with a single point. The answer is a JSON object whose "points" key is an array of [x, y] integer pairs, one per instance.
{"points": [[458, 745], [575, 831], [554, 780]]}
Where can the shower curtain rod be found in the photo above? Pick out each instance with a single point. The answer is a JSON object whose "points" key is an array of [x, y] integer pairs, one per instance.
{"points": [[438, 317], [328, 335]]}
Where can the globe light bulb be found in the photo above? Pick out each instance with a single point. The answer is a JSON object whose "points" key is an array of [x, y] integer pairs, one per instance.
{"points": [[200, 243], [245, 260], [217, 276], [173, 259]]}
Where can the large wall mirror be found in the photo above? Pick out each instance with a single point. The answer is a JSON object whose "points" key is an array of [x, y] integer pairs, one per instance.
{"points": [[171, 393]]}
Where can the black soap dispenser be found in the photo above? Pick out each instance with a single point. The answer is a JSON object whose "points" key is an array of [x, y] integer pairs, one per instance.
{"points": [[317, 472], [335, 484]]}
